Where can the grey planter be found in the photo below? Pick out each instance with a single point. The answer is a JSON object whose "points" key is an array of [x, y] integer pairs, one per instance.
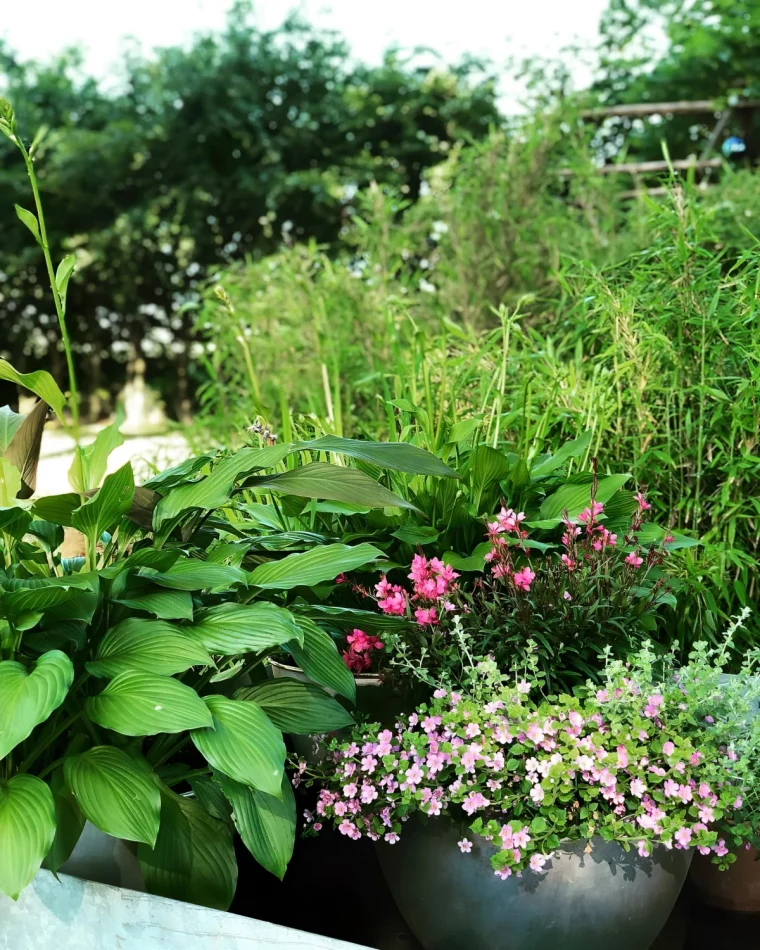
{"points": [[70, 914], [106, 860], [596, 901]]}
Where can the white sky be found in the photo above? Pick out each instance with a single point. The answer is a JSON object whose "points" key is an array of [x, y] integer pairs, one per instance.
{"points": [[496, 29]]}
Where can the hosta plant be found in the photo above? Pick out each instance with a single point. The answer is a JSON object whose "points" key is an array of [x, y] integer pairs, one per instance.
{"points": [[653, 756], [133, 690]]}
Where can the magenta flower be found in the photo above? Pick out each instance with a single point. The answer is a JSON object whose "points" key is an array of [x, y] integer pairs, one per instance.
{"points": [[524, 578], [634, 560]]}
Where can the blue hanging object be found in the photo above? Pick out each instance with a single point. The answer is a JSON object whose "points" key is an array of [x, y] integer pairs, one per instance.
{"points": [[733, 146]]}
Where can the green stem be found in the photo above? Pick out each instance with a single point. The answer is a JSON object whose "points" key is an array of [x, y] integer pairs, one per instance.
{"points": [[59, 308]]}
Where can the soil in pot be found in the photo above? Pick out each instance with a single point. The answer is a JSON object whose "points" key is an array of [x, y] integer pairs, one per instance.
{"points": [[585, 901]]}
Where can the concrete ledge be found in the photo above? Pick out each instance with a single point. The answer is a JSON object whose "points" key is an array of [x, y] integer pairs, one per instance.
{"points": [[70, 914]]}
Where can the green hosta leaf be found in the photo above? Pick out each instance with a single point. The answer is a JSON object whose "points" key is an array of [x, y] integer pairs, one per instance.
{"points": [[27, 699], [89, 465], [346, 618], [296, 707], [215, 489], [575, 498], [312, 567], [50, 535], [413, 535], [164, 604], [58, 509], [112, 501], [243, 744], [9, 423], [400, 456], [27, 829], [230, 629], [332, 482], [192, 574], [210, 796], [118, 794], [149, 645], [487, 466], [570, 450], [10, 483], [14, 522], [69, 822], [40, 383], [320, 661], [141, 704], [193, 859], [177, 475], [266, 824]]}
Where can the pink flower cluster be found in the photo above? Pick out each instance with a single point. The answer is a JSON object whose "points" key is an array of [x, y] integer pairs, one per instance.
{"points": [[358, 656], [508, 757], [507, 522], [434, 583]]}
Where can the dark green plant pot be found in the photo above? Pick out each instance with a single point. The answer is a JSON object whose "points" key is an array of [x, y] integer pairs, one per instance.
{"points": [[603, 900]]}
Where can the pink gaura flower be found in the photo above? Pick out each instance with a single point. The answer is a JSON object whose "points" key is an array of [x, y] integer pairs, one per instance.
{"points": [[524, 578], [634, 560], [426, 615], [643, 503]]}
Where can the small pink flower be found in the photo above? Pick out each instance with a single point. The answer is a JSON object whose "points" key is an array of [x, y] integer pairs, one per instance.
{"points": [[683, 837], [537, 862], [643, 503], [524, 578], [738, 802], [391, 837], [465, 846], [643, 849], [634, 560], [523, 687], [668, 748], [638, 788], [567, 595]]}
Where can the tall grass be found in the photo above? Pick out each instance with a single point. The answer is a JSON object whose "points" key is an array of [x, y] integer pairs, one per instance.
{"points": [[528, 306]]}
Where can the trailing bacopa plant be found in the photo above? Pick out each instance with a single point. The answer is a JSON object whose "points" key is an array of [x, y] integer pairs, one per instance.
{"points": [[643, 759]]}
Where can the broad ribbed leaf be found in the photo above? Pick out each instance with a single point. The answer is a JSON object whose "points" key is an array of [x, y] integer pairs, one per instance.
{"points": [[346, 618], [574, 498], [230, 629], [243, 744], [569, 450], [14, 521], [27, 829], [141, 704], [267, 825], [57, 508], [9, 423], [296, 707], [10, 483], [40, 383], [90, 461], [177, 475], [149, 645], [24, 450], [117, 793], [395, 455], [69, 822], [27, 699], [312, 567], [325, 481], [112, 501], [487, 466], [192, 574], [164, 604], [320, 661], [215, 489], [193, 859]]}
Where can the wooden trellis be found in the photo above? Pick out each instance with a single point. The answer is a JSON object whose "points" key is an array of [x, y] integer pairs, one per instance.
{"points": [[697, 107]]}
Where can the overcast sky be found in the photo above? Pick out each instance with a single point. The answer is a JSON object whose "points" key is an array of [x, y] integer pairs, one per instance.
{"points": [[496, 29]]}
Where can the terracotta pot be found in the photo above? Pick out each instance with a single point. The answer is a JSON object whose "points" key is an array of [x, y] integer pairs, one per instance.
{"points": [[737, 889]]}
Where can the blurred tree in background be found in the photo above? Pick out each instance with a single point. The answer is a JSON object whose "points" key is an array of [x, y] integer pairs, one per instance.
{"points": [[203, 156], [671, 50]]}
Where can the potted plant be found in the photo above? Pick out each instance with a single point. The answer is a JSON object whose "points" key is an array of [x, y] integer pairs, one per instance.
{"points": [[584, 809], [118, 669]]}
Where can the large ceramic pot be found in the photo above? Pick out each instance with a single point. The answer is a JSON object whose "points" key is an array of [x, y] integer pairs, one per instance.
{"points": [[737, 888], [105, 860], [591, 897]]}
